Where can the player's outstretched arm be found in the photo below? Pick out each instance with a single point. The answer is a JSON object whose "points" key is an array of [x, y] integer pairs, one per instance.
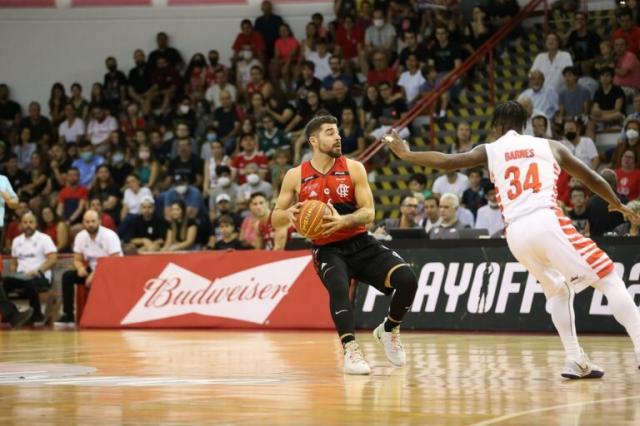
{"points": [[591, 179], [435, 159], [286, 206]]}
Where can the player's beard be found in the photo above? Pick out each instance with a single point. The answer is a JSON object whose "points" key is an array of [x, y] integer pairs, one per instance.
{"points": [[333, 152]]}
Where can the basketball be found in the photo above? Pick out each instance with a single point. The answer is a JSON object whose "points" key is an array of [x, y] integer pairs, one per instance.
{"points": [[309, 221]]}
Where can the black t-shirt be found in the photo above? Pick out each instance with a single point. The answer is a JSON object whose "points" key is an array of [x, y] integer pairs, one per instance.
{"points": [[580, 221], [39, 129], [215, 224], [419, 51], [9, 109], [473, 200], [335, 107], [268, 26], [104, 193], [140, 78], [119, 173], [113, 82], [444, 57], [189, 169], [584, 47], [601, 220], [162, 153], [225, 120], [607, 101], [172, 55], [154, 229], [392, 110], [234, 244], [178, 227], [303, 87], [18, 180]]}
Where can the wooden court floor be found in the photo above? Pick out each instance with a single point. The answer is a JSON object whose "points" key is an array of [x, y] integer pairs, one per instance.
{"points": [[294, 378]]}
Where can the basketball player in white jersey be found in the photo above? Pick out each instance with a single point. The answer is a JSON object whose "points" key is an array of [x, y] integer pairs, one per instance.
{"points": [[525, 170]]}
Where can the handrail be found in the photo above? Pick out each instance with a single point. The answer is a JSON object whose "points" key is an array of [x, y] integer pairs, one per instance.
{"points": [[429, 99]]}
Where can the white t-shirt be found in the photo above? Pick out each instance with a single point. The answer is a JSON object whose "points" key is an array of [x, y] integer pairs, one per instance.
{"points": [[411, 84], [132, 200], [106, 243], [442, 186], [586, 150], [552, 70], [70, 133], [213, 94], [99, 132], [489, 219], [32, 252], [322, 68]]}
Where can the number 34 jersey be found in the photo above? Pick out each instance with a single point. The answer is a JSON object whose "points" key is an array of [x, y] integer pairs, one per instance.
{"points": [[525, 174]]}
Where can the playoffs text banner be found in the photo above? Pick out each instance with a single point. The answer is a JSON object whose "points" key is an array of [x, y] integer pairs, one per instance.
{"points": [[257, 289], [470, 287]]}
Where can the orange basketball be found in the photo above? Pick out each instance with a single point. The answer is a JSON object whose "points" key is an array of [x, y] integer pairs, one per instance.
{"points": [[309, 221]]}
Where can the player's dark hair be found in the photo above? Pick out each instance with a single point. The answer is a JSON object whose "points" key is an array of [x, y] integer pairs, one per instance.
{"points": [[509, 115], [316, 123]]}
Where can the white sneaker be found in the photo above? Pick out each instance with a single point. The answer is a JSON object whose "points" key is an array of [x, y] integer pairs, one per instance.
{"points": [[581, 369], [354, 362], [392, 346]]}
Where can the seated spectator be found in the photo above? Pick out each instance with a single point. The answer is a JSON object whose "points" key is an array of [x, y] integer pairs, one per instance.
{"points": [[249, 154], [337, 73], [87, 164], [182, 113], [164, 51], [39, 125], [407, 219], [216, 158], [115, 85], [148, 229], [552, 62], [280, 109], [221, 84], [371, 107], [198, 76], [540, 126], [474, 196], [391, 109], [55, 228], [258, 84], [97, 95], [100, 127], [10, 110], [271, 138], [608, 104], [188, 194], [627, 69], [601, 220], [349, 40], [286, 55], [379, 36], [320, 58], [574, 99], [182, 132], [259, 209], [181, 231], [579, 213], [544, 98], [187, 164], [229, 237], [33, 256], [411, 80], [489, 215], [72, 200], [432, 217], [630, 228], [244, 64], [582, 147], [352, 135], [119, 168], [92, 243], [479, 30], [635, 115], [307, 109], [628, 141], [604, 60], [307, 81], [131, 201], [165, 81], [251, 38], [80, 104], [16, 176], [583, 43], [254, 184], [225, 185], [72, 129], [38, 188], [445, 56], [628, 30], [532, 114], [451, 182], [449, 226], [133, 122], [139, 89], [463, 142], [57, 101], [227, 121], [223, 207], [628, 175], [106, 220], [418, 185], [381, 71], [147, 168], [412, 47], [24, 149], [340, 100], [281, 165]]}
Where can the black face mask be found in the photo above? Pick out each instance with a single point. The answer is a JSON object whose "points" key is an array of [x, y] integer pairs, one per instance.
{"points": [[139, 63], [571, 135], [111, 67]]}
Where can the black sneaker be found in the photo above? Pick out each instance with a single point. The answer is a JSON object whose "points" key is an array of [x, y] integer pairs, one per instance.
{"points": [[65, 320], [37, 319], [21, 317]]}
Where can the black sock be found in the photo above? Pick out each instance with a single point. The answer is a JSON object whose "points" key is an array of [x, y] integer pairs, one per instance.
{"points": [[347, 338], [390, 324]]}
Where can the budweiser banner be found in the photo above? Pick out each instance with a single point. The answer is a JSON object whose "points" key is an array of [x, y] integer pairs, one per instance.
{"points": [[257, 289], [478, 285]]}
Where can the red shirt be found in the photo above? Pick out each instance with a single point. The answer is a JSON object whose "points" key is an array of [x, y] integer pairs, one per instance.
{"points": [[165, 78], [335, 186], [267, 233], [376, 77], [632, 38], [107, 222], [349, 42], [240, 161], [629, 183], [254, 39]]}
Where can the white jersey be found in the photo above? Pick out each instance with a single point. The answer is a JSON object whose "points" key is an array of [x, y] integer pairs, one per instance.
{"points": [[525, 174]]}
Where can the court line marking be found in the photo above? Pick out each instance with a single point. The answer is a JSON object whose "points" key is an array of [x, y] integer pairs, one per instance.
{"points": [[554, 407]]}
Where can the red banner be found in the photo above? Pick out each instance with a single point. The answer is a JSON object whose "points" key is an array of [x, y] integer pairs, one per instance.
{"points": [[204, 2], [256, 289], [103, 3], [27, 3]]}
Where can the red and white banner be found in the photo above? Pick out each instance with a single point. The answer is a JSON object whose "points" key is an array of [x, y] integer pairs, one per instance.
{"points": [[250, 289], [109, 3], [27, 3]]}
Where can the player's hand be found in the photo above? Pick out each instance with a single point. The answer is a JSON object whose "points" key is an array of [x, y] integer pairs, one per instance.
{"points": [[396, 143], [333, 222], [292, 212], [629, 214]]}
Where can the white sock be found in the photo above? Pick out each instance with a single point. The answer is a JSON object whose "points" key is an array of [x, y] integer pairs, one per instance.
{"points": [[563, 317], [621, 305]]}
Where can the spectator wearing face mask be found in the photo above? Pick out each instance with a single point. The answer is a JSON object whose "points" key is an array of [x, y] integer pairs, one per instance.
{"points": [[181, 190], [226, 185], [489, 215], [250, 40], [254, 184], [87, 164], [630, 141]]}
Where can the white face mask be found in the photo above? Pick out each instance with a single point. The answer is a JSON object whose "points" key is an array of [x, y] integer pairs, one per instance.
{"points": [[253, 179], [224, 181], [181, 189], [378, 23], [631, 134], [247, 54], [144, 155], [184, 109]]}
